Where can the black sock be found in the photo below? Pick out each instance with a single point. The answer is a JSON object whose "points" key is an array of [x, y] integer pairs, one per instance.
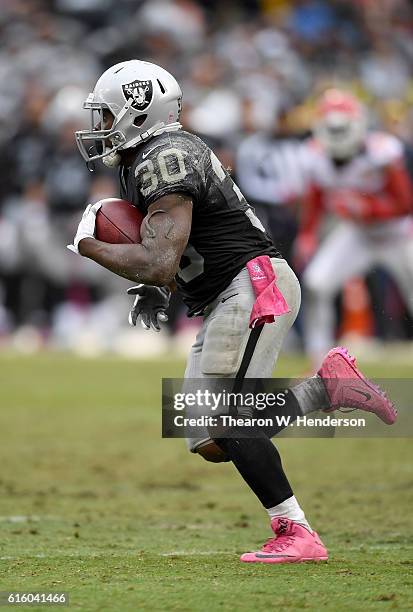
{"points": [[259, 463], [311, 394], [307, 396]]}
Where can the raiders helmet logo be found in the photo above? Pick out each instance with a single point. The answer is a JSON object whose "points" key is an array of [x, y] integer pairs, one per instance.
{"points": [[141, 93]]}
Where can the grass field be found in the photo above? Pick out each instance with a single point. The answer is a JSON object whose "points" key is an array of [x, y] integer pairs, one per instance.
{"points": [[95, 503]]}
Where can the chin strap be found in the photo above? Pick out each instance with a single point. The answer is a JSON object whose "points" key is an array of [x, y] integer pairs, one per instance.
{"points": [[112, 160], [169, 127]]}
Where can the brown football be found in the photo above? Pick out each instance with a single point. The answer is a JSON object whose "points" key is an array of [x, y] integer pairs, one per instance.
{"points": [[118, 222]]}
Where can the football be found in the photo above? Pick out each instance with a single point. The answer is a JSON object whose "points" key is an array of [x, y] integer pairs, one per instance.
{"points": [[118, 222]]}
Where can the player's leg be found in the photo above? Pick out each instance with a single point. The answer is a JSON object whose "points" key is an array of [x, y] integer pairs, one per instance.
{"points": [[397, 256], [295, 540], [228, 344], [200, 442], [225, 345], [230, 347], [344, 254]]}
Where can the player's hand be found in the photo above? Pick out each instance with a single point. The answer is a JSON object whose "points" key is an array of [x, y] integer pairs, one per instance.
{"points": [[150, 305], [349, 204], [86, 228]]}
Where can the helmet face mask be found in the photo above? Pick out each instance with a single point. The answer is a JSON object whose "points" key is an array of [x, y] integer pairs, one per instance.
{"points": [[143, 99], [341, 125], [97, 138]]}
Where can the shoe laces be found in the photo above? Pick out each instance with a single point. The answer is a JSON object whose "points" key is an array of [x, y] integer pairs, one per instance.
{"points": [[278, 544]]}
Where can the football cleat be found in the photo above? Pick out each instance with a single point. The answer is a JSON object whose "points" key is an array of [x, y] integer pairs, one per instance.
{"points": [[347, 387], [293, 543]]}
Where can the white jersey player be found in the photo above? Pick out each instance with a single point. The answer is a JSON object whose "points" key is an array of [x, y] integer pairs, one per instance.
{"points": [[359, 178]]}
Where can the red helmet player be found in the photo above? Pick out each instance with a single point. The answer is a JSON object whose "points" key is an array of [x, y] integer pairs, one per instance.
{"points": [[359, 178], [341, 124]]}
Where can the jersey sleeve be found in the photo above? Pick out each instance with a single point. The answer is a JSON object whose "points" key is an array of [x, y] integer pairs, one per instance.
{"points": [[384, 149], [396, 197], [168, 169]]}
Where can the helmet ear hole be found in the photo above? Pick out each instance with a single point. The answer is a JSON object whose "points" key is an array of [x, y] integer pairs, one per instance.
{"points": [[138, 121], [161, 87]]}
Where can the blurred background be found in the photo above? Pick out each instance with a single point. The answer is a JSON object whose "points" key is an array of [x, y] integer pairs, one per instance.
{"points": [[250, 71]]}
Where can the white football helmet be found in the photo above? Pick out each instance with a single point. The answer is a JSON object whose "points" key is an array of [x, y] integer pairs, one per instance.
{"points": [[341, 124], [143, 98]]}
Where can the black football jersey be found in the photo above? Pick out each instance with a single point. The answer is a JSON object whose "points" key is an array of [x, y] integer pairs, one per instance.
{"points": [[225, 232]]}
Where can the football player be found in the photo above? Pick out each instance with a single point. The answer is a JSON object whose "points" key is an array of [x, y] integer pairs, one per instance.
{"points": [[359, 177], [200, 233]]}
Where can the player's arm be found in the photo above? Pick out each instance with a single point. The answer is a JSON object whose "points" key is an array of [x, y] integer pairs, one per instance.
{"points": [[164, 232], [395, 199]]}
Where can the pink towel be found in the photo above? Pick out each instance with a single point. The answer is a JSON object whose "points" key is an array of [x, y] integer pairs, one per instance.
{"points": [[270, 302]]}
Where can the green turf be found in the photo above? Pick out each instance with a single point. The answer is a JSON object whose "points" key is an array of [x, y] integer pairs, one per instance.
{"points": [[94, 502]]}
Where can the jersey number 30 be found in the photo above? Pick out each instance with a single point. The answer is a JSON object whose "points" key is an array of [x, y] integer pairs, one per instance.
{"points": [[149, 176]]}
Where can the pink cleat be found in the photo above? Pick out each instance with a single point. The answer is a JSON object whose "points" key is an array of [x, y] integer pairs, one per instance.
{"points": [[292, 544], [347, 387]]}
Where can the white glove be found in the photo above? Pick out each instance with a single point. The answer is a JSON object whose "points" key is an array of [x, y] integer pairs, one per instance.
{"points": [[86, 228]]}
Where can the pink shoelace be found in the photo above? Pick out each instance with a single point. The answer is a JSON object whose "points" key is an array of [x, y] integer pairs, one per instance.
{"points": [[277, 544]]}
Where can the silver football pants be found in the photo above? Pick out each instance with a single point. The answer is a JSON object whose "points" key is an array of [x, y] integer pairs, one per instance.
{"points": [[220, 346]]}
